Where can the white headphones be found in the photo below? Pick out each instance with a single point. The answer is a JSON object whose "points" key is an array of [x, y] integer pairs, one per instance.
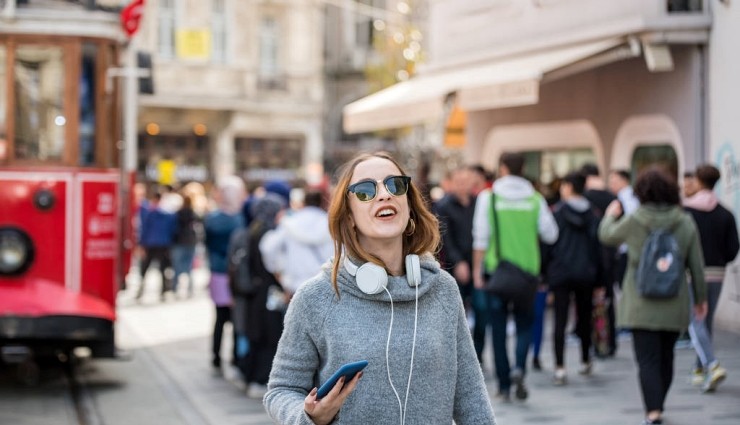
{"points": [[372, 279]]}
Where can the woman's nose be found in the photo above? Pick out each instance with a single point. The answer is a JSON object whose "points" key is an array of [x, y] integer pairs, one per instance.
{"points": [[383, 192]]}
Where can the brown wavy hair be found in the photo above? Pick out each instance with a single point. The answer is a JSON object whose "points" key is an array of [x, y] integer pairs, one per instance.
{"points": [[424, 239]]}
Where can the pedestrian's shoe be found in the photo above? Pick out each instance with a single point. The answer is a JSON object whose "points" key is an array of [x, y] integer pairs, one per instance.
{"points": [[503, 397], [560, 377], [697, 377], [517, 379], [536, 364], [714, 377], [216, 363], [649, 421], [586, 368]]}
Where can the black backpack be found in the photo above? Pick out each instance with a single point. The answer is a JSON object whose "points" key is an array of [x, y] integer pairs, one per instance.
{"points": [[238, 258], [659, 273]]}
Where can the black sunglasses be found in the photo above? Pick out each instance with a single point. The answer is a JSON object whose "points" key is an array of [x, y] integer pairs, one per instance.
{"points": [[366, 190]]}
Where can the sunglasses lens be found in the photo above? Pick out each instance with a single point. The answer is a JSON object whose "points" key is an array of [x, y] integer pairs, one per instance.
{"points": [[397, 185], [365, 191]]}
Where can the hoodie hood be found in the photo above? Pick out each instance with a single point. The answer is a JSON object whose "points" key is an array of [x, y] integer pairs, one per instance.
{"points": [[513, 187], [703, 200], [576, 212], [309, 226], [659, 216], [397, 285]]}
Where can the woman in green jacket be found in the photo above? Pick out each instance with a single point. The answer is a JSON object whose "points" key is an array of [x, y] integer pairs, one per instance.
{"points": [[655, 322]]}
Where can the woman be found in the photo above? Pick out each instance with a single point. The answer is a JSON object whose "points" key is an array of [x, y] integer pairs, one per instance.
{"points": [[655, 323], [186, 238], [422, 364]]}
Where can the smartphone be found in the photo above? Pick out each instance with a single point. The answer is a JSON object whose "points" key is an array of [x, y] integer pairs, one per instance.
{"points": [[348, 371]]}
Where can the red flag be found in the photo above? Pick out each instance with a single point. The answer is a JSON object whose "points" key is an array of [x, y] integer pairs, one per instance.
{"points": [[131, 15]]}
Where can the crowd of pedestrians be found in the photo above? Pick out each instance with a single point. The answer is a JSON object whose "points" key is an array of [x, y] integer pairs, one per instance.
{"points": [[585, 244]]}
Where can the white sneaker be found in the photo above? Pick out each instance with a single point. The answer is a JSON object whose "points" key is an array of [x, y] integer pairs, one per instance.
{"points": [[256, 391], [715, 376], [586, 368], [560, 377]]}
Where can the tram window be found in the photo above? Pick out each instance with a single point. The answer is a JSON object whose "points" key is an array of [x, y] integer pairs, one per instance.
{"points": [[658, 154], [87, 105], [39, 103], [3, 105]]}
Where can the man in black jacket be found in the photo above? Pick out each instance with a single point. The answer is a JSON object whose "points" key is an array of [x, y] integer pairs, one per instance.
{"points": [[573, 268], [455, 212], [719, 242]]}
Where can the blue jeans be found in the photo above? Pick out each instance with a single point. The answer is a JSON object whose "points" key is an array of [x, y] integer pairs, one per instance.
{"points": [[182, 262], [540, 304], [482, 315], [523, 318]]}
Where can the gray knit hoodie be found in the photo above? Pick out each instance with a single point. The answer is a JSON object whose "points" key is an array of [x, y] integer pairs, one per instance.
{"points": [[323, 332]]}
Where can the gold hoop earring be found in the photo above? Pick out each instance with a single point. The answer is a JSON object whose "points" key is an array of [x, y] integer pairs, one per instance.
{"points": [[411, 228]]}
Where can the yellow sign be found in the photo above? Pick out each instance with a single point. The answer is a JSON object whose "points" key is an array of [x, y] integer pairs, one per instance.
{"points": [[166, 169], [193, 43], [455, 129]]}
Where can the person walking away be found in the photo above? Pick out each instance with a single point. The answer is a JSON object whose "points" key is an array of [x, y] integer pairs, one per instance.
{"points": [[157, 233], [300, 244], [218, 227], [573, 268], [183, 249], [523, 219], [384, 299], [656, 322], [719, 241], [604, 320], [264, 320], [455, 213]]}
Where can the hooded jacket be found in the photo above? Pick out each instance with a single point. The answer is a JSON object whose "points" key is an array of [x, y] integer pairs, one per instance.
{"points": [[298, 247], [635, 311], [717, 231], [523, 216], [323, 331], [575, 257], [218, 227]]}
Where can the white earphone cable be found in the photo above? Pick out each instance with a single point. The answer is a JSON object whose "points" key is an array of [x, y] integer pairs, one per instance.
{"points": [[387, 361], [413, 348]]}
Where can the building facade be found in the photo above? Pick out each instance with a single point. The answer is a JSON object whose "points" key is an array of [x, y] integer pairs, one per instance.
{"points": [[622, 84], [238, 89]]}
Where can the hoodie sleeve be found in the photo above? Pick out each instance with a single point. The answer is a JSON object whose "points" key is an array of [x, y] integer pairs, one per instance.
{"points": [[695, 262], [481, 226], [547, 227], [272, 248], [613, 231]]}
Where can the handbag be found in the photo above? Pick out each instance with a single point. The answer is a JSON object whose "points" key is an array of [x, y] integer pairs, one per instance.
{"points": [[509, 281]]}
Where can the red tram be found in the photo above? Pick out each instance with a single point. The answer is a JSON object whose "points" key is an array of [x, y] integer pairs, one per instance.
{"points": [[62, 215]]}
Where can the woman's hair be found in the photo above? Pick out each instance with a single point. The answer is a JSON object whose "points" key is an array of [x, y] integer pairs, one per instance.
{"points": [[655, 186], [424, 239]]}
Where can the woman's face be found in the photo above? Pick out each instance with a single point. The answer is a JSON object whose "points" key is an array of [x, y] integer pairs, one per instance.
{"points": [[385, 217]]}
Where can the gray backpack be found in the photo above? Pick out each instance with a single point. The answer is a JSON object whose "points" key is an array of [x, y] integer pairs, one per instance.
{"points": [[659, 273]]}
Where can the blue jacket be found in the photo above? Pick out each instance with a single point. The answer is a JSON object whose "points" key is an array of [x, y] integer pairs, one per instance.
{"points": [[158, 228], [218, 228]]}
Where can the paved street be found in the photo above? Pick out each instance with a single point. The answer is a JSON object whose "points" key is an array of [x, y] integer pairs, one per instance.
{"points": [[174, 339]]}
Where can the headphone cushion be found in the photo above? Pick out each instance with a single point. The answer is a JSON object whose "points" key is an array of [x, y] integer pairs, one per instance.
{"points": [[413, 270], [371, 278]]}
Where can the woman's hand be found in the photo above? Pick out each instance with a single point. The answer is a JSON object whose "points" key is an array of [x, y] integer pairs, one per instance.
{"points": [[700, 311], [614, 209], [323, 411]]}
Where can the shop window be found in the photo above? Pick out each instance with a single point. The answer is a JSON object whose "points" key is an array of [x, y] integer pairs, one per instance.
{"points": [[40, 118], [684, 6], [545, 168], [187, 153], [263, 158], [662, 155]]}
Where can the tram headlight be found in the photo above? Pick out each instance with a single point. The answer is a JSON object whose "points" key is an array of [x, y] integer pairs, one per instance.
{"points": [[16, 251]]}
